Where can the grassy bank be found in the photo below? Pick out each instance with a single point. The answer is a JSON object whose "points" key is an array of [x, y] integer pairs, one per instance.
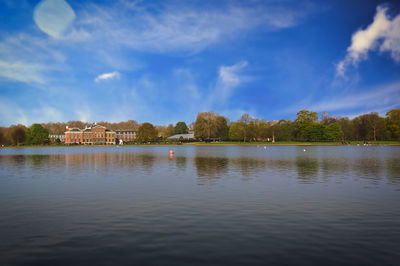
{"points": [[296, 143]]}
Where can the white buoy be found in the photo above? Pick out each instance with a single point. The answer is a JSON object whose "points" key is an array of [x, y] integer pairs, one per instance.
{"points": [[265, 147], [304, 149]]}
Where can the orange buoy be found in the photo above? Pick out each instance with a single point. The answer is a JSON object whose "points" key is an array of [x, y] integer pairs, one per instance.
{"points": [[171, 152]]}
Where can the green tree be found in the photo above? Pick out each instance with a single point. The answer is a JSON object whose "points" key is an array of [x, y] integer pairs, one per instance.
{"points": [[205, 126], [251, 131], [170, 130], [237, 131], [359, 125], [304, 118], [146, 133], [262, 130], [314, 132], [393, 123], [375, 126], [347, 126], [181, 128], [222, 127], [333, 132], [283, 130], [369, 127], [37, 134], [249, 127]]}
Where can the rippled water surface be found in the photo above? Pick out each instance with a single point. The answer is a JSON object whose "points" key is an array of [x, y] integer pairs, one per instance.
{"points": [[219, 205]]}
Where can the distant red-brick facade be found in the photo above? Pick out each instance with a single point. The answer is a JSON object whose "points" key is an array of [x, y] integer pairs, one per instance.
{"points": [[73, 136], [125, 136], [97, 135]]}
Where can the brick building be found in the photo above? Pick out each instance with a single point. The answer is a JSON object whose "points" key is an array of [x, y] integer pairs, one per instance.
{"points": [[87, 136], [124, 136], [73, 136], [97, 135]]}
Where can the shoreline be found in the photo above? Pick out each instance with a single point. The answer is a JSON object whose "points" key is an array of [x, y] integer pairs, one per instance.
{"points": [[390, 143]]}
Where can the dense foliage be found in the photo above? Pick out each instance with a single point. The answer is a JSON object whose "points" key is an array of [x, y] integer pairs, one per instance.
{"points": [[181, 128], [211, 126], [37, 135], [146, 133]]}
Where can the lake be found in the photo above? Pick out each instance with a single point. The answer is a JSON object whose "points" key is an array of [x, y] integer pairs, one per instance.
{"points": [[217, 205]]}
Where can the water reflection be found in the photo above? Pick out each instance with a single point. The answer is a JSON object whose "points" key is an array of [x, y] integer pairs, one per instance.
{"points": [[248, 167], [209, 169], [38, 160], [334, 168], [393, 170], [307, 169], [181, 162], [368, 168], [16, 161], [54, 208], [208, 166]]}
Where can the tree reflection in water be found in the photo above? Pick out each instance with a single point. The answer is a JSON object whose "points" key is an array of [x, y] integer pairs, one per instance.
{"points": [[393, 170], [108, 162], [248, 167], [181, 162], [210, 169], [307, 169]]}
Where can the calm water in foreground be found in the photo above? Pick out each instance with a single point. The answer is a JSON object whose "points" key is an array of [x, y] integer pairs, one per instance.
{"points": [[220, 205]]}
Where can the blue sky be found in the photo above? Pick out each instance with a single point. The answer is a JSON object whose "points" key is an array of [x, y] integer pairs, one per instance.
{"points": [[165, 61]]}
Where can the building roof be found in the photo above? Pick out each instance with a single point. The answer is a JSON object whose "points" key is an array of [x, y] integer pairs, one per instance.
{"points": [[74, 129], [184, 136], [98, 126], [125, 130]]}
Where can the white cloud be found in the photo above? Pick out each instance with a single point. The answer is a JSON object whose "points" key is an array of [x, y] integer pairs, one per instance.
{"points": [[383, 34], [106, 76], [229, 78]]}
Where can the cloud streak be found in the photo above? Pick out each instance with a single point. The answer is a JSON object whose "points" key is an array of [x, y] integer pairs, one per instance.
{"points": [[384, 98], [106, 76], [382, 34], [166, 28]]}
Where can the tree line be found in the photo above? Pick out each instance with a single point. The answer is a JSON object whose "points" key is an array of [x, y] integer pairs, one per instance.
{"points": [[211, 126], [306, 127]]}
